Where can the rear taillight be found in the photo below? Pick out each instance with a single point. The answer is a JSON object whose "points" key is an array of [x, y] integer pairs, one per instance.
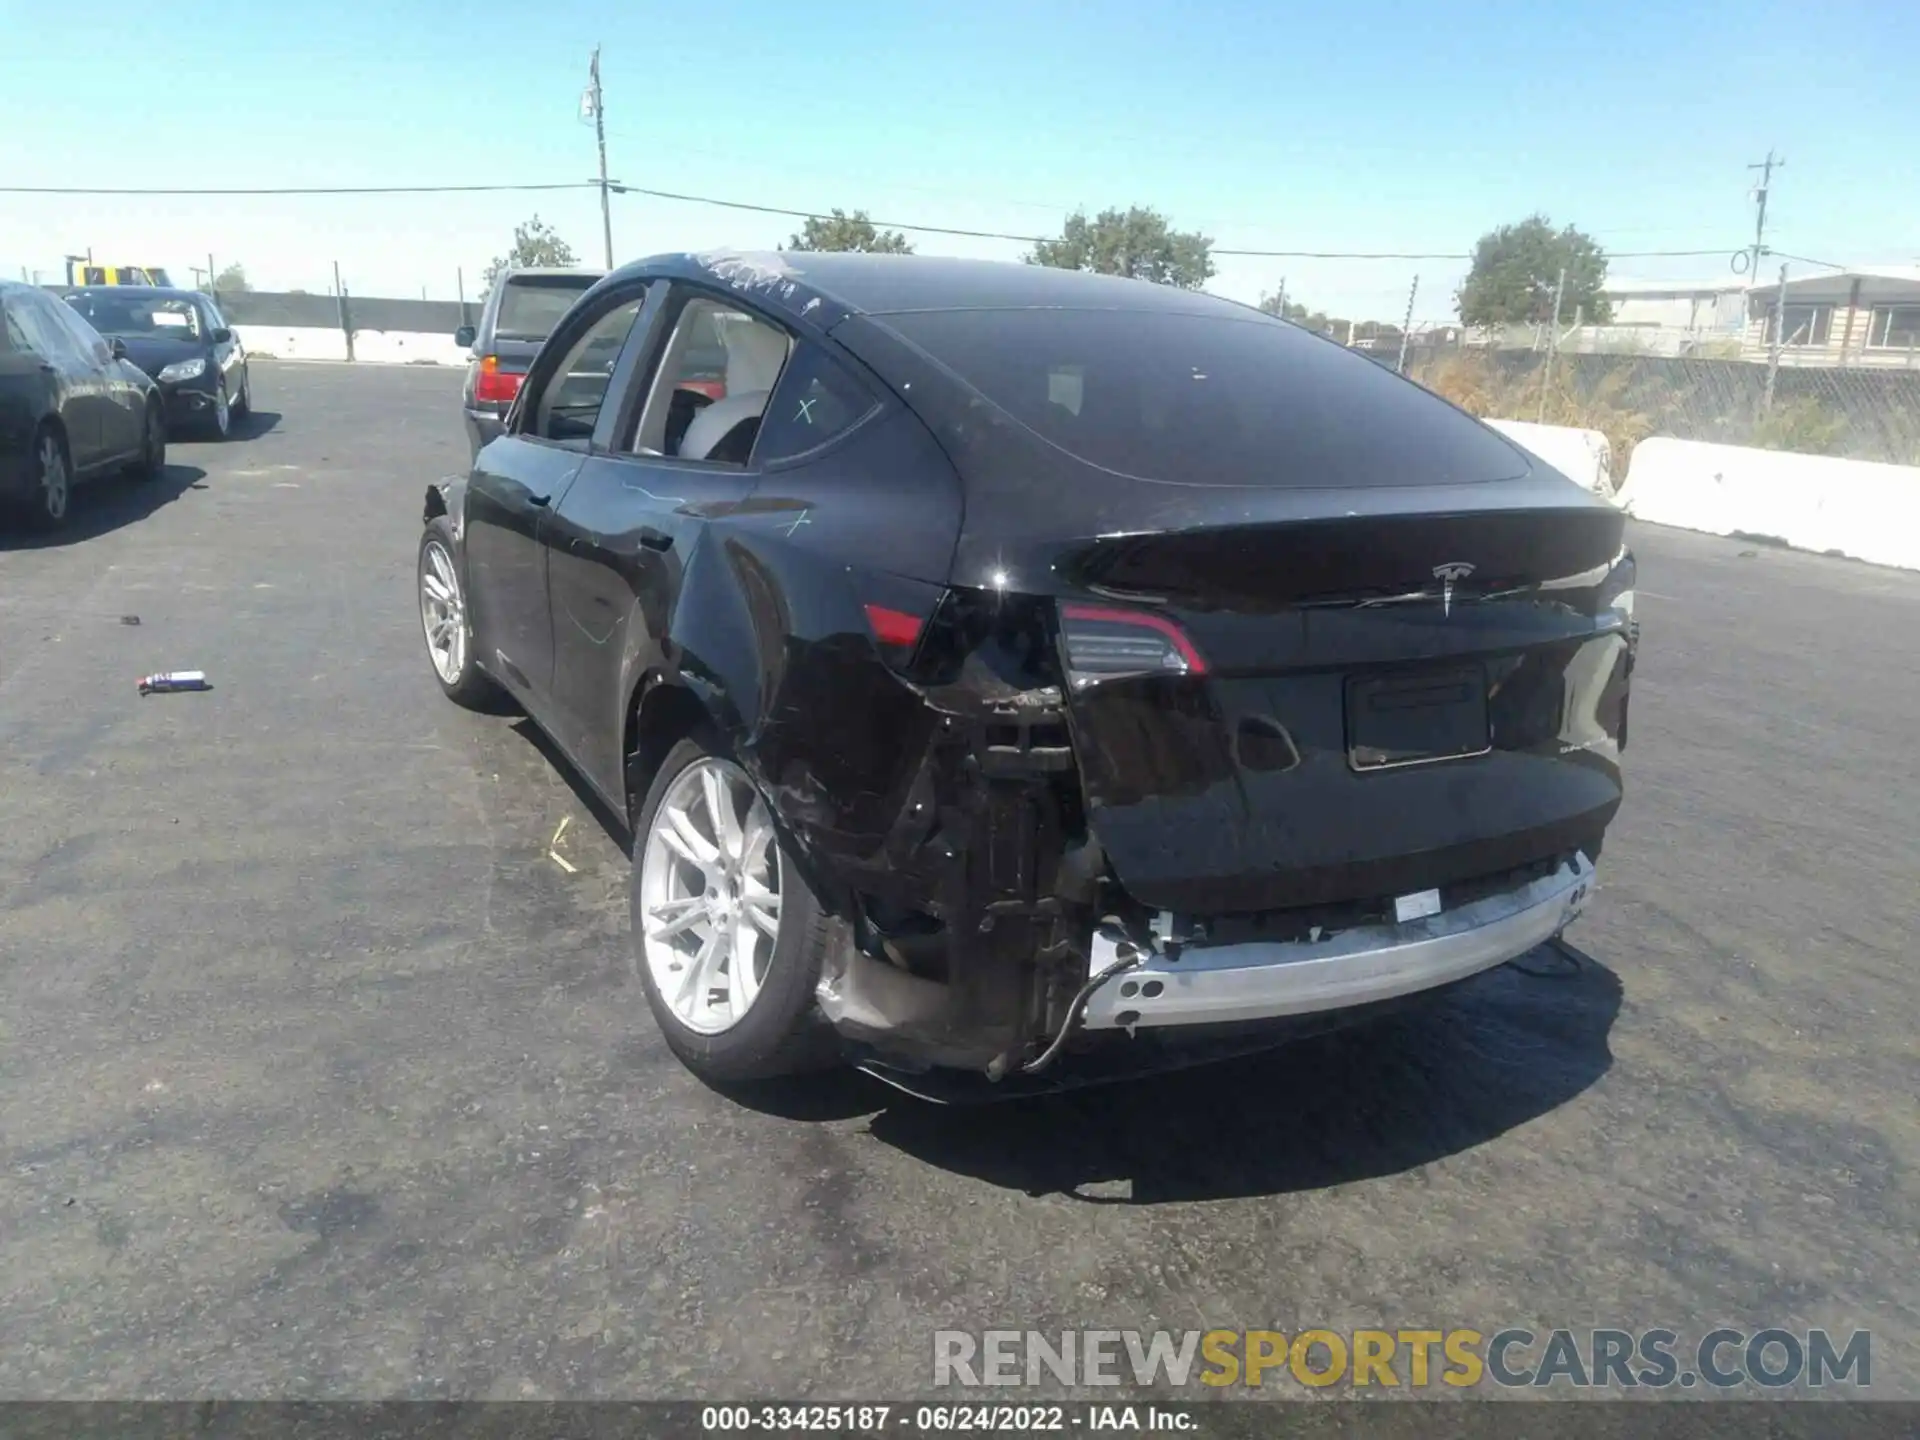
{"points": [[494, 385], [897, 613], [893, 629], [1107, 643]]}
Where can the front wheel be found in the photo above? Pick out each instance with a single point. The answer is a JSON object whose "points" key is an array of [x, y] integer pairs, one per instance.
{"points": [[220, 421], [443, 619], [727, 934]]}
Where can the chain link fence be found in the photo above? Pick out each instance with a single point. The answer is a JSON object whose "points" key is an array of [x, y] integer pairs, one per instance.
{"points": [[1857, 414]]}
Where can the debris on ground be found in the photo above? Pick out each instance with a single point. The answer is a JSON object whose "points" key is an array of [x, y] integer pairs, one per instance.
{"points": [[172, 680], [553, 848]]}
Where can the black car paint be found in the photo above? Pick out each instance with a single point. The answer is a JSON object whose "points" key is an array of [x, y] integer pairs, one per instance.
{"points": [[188, 402], [96, 398], [957, 804]]}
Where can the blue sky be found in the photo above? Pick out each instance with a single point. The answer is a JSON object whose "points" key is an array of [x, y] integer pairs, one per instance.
{"points": [[1370, 125]]}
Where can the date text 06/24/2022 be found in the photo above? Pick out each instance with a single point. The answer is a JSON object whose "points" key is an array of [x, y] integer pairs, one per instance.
{"points": [[942, 1419]]}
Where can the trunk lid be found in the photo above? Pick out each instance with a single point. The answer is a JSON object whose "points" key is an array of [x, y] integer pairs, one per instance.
{"points": [[1362, 707], [1336, 639]]}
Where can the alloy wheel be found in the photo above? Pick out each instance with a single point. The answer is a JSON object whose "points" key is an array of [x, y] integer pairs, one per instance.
{"points": [[56, 487], [710, 890], [443, 613], [222, 411]]}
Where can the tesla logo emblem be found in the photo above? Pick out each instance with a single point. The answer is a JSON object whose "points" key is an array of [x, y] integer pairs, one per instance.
{"points": [[1446, 574]]}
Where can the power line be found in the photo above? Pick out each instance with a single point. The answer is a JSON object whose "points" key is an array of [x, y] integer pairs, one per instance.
{"points": [[758, 209], [822, 215], [294, 189], [1805, 260], [1038, 239]]}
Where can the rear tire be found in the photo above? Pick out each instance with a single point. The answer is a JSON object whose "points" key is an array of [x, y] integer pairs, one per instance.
{"points": [[748, 1011], [243, 402], [445, 623], [153, 445], [52, 498]]}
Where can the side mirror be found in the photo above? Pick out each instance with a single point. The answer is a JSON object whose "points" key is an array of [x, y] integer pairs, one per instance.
{"points": [[119, 348], [223, 336], [463, 337]]}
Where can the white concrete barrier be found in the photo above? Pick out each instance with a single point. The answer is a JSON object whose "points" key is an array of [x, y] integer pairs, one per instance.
{"points": [[375, 347], [1580, 455], [292, 342], [406, 347], [1857, 508]]}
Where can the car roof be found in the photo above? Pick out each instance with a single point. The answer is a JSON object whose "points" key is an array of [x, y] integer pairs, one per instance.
{"points": [[157, 292], [586, 272], [824, 287]]}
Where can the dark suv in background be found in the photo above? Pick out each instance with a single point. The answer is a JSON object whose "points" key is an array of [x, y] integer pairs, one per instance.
{"points": [[520, 312]]}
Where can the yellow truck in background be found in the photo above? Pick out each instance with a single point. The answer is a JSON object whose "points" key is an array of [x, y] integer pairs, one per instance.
{"points": [[82, 271]]}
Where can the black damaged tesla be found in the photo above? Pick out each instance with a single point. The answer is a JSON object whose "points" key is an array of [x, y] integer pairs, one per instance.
{"points": [[1014, 677]]}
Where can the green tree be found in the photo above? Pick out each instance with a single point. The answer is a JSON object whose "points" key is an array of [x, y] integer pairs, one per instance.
{"points": [[232, 281], [849, 232], [1514, 268], [1137, 243], [534, 243]]}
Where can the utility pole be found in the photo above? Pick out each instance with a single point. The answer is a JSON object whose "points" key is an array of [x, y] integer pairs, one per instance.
{"points": [[1406, 326], [1553, 341], [1766, 168], [1779, 339], [346, 319], [592, 103]]}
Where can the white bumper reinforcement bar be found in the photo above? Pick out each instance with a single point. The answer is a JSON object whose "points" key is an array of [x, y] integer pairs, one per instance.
{"points": [[1212, 984]]}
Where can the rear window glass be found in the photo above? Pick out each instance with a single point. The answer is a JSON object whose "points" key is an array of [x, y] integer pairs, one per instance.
{"points": [[531, 306], [1207, 400]]}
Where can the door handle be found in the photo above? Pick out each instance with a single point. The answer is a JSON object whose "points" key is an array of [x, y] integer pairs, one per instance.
{"points": [[655, 539]]}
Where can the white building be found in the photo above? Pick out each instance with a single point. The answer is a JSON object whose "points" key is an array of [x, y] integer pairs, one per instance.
{"points": [[1704, 308], [1869, 316]]}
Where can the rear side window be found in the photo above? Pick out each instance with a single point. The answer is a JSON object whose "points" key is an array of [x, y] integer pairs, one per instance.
{"points": [[531, 306], [815, 401], [1207, 400]]}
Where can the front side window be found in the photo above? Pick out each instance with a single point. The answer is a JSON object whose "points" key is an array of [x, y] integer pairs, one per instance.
{"points": [[569, 404], [1204, 399], [711, 388], [84, 337]]}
